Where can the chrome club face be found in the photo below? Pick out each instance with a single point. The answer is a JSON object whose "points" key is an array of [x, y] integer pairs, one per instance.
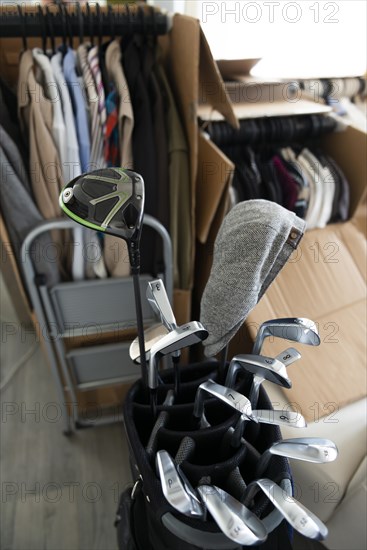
{"points": [[184, 336], [236, 521], [151, 335], [173, 487], [296, 329], [158, 299], [231, 397], [299, 517], [263, 368], [309, 449]]}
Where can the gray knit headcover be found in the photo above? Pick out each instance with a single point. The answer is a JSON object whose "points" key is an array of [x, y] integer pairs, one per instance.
{"points": [[254, 242]]}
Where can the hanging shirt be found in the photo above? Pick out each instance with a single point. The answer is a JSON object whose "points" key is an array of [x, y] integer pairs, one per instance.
{"points": [[80, 114], [98, 123], [116, 76], [72, 163], [45, 77], [35, 116]]}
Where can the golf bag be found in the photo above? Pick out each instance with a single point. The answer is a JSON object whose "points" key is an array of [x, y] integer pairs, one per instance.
{"points": [[145, 520]]}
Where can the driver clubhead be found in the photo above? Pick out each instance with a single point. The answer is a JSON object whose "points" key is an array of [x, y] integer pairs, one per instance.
{"points": [[296, 329], [110, 200], [182, 337], [299, 517], [236, 521]]}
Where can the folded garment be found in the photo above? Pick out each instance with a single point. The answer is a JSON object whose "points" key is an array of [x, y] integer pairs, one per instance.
{"points": [[253, 244]]}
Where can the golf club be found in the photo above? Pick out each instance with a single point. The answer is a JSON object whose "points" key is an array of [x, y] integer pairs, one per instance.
{"points": [[152, 335], [157, 297], [111, 200], [296, 329], [267, 416], [309, 449], [173, 487], [182, 337], [236, 521], [288, 356], [231, 397], [299, 517], [263, 368]]}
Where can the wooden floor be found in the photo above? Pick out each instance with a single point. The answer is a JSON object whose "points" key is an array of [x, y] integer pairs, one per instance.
{"points": [[58, 493]]}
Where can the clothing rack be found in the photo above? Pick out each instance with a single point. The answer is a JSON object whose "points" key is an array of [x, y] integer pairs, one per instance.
{"points": [[271, 130], [74, 20]]}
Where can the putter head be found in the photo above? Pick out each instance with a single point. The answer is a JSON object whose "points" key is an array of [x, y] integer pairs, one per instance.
{"points": [[182, 337], [110, 200], [173, 487], [296, 329], [157, 297], [300, 518], [309, 449], [236, 521], [259, 365], [231, 397], [151, 335]]}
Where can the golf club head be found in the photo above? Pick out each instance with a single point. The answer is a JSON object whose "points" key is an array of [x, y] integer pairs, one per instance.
{"points": [[309, 449], [151, 335], [173, 487], [159, 302], [288, 356], [182, 337], [110, 200], [279, 418], [236, 521], [296, 329], [265, 367], [299, 517], [231, 397]]}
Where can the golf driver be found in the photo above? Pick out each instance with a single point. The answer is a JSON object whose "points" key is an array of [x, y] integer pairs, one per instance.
{"points": [[300, 518], [173, 487], [111, 200], [182, 337], [236, 521], [231, 397], [157, 297], [309, 449], [296, 329], [263, 368]]}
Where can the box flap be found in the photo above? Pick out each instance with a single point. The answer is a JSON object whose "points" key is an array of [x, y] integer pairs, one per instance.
{"points": [[214, 177], [256, 109], [231, 69]]}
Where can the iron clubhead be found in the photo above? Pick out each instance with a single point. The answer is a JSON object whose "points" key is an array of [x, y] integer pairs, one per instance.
{"points": [[296, 329], [110, 200], [266, 368], [151, 335], [159, 302], [309, 449], [173, 487], [184, 336], [236, 521], [300, 518]]}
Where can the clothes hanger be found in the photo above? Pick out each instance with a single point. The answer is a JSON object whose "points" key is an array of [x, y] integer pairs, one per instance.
{"points": [[50, 30], [111, 21], [23, 26], [69, 29], [43, 28], [99, 19], [64, 47], [90, 24], [80, 23]]}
